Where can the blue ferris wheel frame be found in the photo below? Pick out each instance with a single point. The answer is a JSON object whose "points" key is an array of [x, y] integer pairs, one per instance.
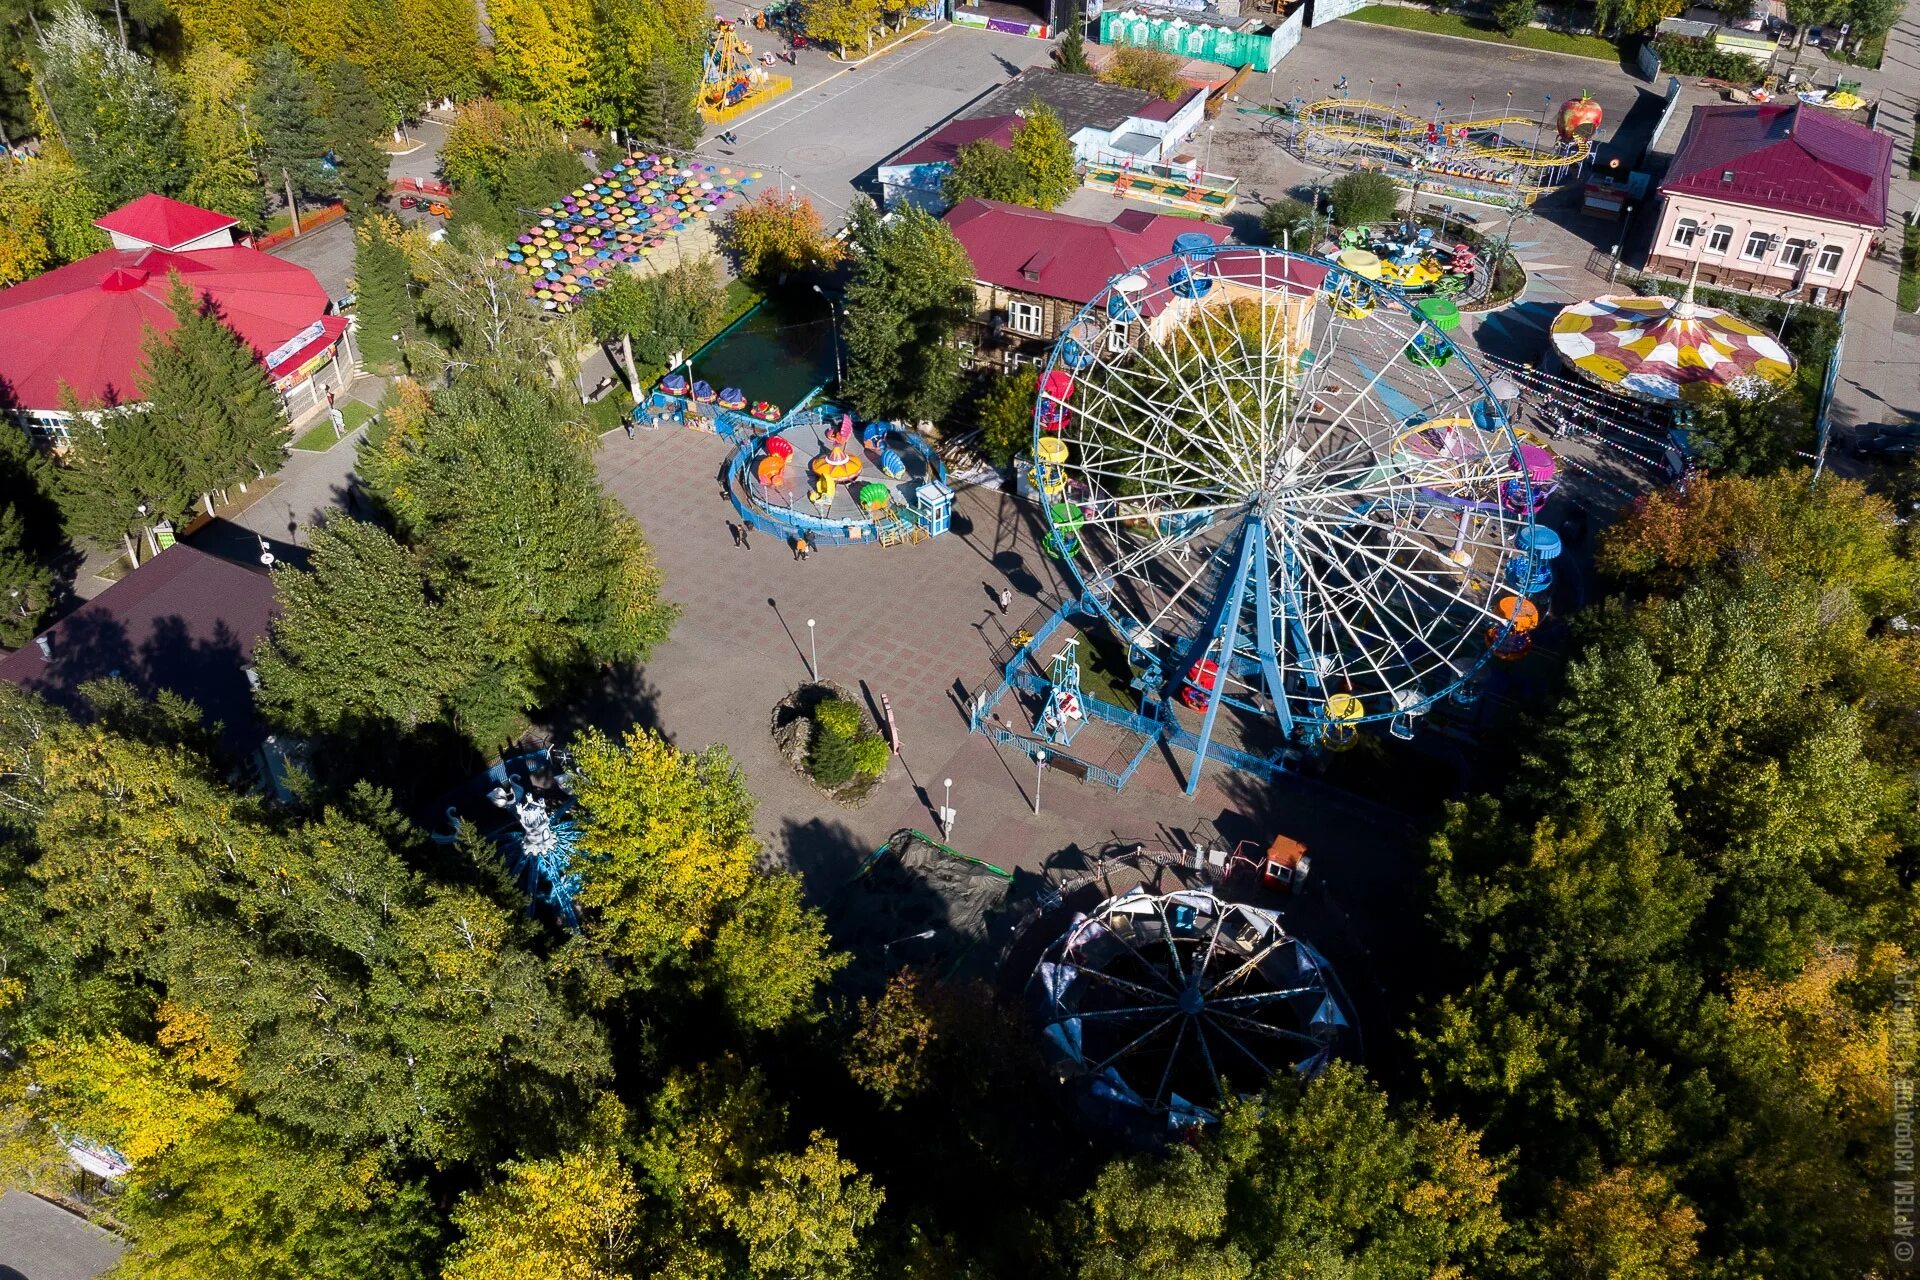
{"points": [[1249, 585]]}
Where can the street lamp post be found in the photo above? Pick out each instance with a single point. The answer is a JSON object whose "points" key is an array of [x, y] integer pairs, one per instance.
{"points": [[833, 315], [813, 652], [1039, 771], [946, 811]]}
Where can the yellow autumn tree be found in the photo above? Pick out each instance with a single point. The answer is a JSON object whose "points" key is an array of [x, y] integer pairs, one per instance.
{"points": [[1626, 1225], [239, 25], [775, 233], [668, 843], [567, 1219], [540, 55], [140, 1099]]}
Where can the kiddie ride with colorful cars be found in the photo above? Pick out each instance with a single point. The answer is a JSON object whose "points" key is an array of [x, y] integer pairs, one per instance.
{"points": [[1409, 259], [730, 81], [1300, 508], [909, 502]]}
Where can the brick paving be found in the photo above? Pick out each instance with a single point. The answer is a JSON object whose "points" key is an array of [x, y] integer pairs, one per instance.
{"points": [[917, 623]]}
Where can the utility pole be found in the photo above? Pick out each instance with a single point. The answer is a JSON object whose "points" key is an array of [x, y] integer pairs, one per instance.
{"points": [[293, 210]]}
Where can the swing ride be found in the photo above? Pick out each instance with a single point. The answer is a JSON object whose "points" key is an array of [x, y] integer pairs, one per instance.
{"points": [[731, 82]]}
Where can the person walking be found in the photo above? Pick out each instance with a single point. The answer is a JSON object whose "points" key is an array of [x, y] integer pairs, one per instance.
{"points": [[733, 531], [1006, 600], [626, 420], [746, 531]]}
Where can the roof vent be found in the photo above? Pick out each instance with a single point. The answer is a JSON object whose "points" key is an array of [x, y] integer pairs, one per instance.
{"points": [[123, 279], [1036, 264], [1726, 175]]}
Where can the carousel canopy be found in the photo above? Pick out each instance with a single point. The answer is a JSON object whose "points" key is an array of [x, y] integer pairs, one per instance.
{"points": [[1666, 351]]}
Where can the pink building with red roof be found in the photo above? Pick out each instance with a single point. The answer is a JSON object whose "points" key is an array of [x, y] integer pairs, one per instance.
{"points": [[80, 326], [1034, 271], [1773, 198]]}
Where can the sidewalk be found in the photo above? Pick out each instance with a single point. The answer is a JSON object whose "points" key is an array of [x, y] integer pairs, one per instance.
{"points": [[1880, 366]]}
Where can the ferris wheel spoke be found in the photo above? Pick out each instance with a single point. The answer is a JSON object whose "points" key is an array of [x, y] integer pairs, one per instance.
{"points": [[1414, 578], [1339, 619], [1173, 1056], [1141, 990], [1217, 1027], [1133, 1012], [1132, 1044], [1254, 1025]]}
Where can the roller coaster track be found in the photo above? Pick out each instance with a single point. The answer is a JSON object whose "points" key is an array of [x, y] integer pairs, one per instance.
{"points": [[1355, 121]]}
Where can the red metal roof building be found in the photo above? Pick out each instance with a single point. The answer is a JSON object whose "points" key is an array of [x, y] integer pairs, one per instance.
{"points": [[1778, 197], [1034, 270], [81, 325], [159, 222]]}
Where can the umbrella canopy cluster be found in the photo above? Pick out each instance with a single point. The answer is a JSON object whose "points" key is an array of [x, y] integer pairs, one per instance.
{"points": [[1667, 351], [622, 216]]}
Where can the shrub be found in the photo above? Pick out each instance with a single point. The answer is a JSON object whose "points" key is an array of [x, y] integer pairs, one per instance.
{"points": [[1006, 415], [1148, 70], [1287, 218], [1361, 198], [1681, 56], [837, 715], [870, 756], [836, 728]]}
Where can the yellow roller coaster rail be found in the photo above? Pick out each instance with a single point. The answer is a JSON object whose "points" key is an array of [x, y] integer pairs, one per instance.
{"points": [[1354, 120]]}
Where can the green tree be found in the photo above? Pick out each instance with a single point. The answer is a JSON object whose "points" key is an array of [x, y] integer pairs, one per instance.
{"points": [[540, 56], [208, 398], [285, 109], [1073, 48], [658, 316], [382, 292], [112, 108], [1753, 433], [354, 120], [770, 953], [118, 477], [646, 69], [1045, 155], [1512, 15], [1293, 222], [1363, 198], [31, 539], [1148, 70], [247, 1201], [1006, 415], [443, 37], [361, 645], [985, 170], [912, 287], [47, 211], [496, 489], [215, 87], [574, 1216]]}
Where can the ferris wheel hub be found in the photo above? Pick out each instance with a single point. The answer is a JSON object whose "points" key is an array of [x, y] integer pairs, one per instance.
{"points": [[1192, 1000]]}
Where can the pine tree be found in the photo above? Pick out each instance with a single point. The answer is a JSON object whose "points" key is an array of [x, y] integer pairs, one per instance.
{"points": [[380, 281], [118, 477], [354, 120], [1073, 49], [292, 141], [30, 538]]}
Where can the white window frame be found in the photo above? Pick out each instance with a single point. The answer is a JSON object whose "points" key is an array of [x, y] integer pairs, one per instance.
{"points": [[1840, 256], [1686, 231], [1756, 246], [1722, 232], [1017, 313], [1794, 251], [1119, 335]]}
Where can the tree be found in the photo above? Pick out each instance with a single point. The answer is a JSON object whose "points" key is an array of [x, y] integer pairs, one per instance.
{"points": [[570, 1218], [1751, 431], [888, 1052], [1363, 198], [844, 24], [1292, 222], [479, 307], [659, 315], [411, 652], [484, 138], [32, 543], [1045, 155], [770, 953], [443, 37], [1512, 15], [646, 69], [1073, 48], [245, 1200], [1625, 1225], [208, 398], [1148, 70], [496, 489], [285, 109], [912, 287], [383, 298], [773, 235], [47, 210], [132, 1097], [806, 1219], [118, 477], [354, 119], [117, 118], [216, 85], [1006, 415], [985, 170], [540, 56]]}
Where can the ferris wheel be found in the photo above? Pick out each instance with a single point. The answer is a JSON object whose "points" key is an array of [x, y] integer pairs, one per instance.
{"points": [[1289, 493]]}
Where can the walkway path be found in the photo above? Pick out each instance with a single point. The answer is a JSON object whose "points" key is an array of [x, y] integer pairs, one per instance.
{"points": [[1880, 366]]}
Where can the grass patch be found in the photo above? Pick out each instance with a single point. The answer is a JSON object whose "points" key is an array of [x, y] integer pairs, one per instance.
{"points": [[1869, 54], [1447, 24], [609, 411], [1913, 161], [319, 437], [1910, 267]]}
